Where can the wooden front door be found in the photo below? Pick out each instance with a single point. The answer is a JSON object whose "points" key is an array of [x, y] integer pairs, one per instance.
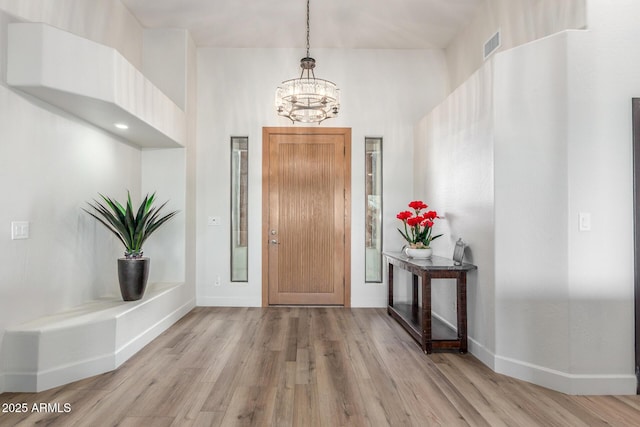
{"points": [[306, 216]]}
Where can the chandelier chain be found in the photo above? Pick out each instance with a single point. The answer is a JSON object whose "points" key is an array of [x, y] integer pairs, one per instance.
{"points": [[308, 29]]}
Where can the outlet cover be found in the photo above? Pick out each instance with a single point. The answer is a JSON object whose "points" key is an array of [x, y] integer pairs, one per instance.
{"points": [[19, 230]]}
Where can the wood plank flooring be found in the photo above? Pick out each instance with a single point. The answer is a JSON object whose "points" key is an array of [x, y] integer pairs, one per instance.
{"points": [[299, 366]]}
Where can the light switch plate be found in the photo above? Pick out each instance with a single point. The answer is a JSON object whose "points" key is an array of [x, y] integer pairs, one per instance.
{"points": [[584, 221], [19, 230]]}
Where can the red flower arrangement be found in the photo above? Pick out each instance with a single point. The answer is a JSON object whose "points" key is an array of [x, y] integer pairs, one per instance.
{"points": [[417, 226]]}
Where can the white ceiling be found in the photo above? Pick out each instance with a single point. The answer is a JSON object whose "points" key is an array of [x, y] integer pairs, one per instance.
{"points": [[371, 24]]}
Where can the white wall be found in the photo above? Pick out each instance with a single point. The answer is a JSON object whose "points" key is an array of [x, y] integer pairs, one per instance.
{"points": [[588, 303], [531, 191], [168, 75], [169, 60], [573, 155], [453, 174], [561, 145], [383, 94], [163, 173], [604, 79], [191, 168], [51, 163]]}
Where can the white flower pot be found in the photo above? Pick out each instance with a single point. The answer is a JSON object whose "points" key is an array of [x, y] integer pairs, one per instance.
{"points": [[421, 253]]}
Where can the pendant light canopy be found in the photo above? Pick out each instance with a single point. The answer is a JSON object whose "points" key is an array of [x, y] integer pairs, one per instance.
{"points": [[307, 99]]}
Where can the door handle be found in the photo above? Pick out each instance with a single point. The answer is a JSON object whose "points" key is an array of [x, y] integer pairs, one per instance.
{"points": [[274, 242]]}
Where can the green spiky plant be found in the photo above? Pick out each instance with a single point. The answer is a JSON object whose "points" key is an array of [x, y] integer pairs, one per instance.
{"points": [[132, 229]]}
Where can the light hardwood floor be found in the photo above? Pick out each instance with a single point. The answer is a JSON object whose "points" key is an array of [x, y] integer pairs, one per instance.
{"points": [[294, 366]]}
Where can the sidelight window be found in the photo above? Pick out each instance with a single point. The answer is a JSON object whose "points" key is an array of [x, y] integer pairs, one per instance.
{"points": [[373, 211], [239, 208]]}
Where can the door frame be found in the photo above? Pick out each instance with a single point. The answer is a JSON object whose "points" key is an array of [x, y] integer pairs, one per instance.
{"points": [[266, 135], [635, 113]]}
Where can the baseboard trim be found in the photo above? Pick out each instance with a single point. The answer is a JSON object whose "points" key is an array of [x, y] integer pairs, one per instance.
{"points": [[482, 353], [574, 384], [228, 302], [370, 303]]}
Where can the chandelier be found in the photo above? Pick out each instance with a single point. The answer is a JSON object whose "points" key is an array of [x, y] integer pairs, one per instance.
{"points": [[307, 99]]}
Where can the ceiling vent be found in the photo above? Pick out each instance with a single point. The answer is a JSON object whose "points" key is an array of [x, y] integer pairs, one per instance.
{"points": [[492, 44]]}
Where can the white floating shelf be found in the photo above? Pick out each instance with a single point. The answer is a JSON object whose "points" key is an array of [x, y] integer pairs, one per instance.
{"points": [[93, 82]]}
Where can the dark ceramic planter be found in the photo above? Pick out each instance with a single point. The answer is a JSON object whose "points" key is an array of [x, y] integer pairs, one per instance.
{"points": [[133, 274]]}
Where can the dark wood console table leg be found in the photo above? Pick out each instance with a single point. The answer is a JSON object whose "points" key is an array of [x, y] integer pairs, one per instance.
{"points": [[427, 339], [415, 309], [390, 301], [462, 310]]}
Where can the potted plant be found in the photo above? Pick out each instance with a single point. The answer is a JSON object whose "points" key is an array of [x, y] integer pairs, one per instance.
{"points": [[418, 230], [132, 228]]}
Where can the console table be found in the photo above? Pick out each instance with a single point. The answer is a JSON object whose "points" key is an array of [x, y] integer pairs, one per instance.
{"points": [[416, 318]]}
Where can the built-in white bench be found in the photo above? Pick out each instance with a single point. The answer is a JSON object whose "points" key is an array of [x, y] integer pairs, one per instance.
{"points": [[87, 340]]}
